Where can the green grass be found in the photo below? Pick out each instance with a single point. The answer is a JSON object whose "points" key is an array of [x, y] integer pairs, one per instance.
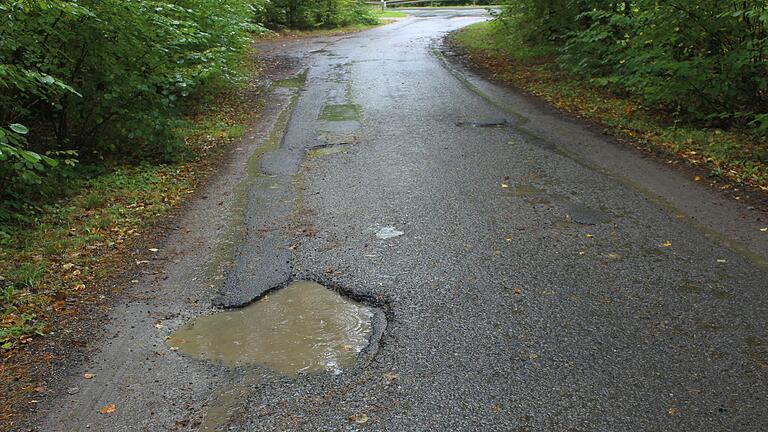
{"points": [[388, 13], [494, 38], [731, 155]]}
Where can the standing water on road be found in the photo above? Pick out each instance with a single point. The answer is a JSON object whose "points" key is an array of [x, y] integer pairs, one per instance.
{"points": [[303, 328]]}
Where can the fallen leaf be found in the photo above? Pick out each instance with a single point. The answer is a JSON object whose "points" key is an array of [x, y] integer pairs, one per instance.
{"points": [[89, 375], [504, 185], [667, 243], [673, 411], [391, 376], [518, 291], [67, 266], [360, 418], [108, 409], [697, 178], [589, 236]]}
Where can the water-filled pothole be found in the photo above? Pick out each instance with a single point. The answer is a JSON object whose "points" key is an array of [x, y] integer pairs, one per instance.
{"points": [[302, 328], [581, 214]]}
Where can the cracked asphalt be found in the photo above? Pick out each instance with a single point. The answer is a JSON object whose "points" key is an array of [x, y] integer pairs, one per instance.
{"points": [[546, 278]]}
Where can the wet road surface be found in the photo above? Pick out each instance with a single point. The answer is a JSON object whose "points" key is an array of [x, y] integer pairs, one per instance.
{"points": [[532, 275]]}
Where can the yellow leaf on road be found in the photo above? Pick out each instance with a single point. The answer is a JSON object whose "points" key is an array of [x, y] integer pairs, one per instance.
{"points": [[391, 376], [108, 409], [360, 418]]}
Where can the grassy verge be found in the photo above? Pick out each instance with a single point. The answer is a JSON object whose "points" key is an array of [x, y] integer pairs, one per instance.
{"points": [[388, 13], [731, 155], [48, 267]]}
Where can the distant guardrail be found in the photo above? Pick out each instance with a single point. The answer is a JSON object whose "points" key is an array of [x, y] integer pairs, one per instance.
{"points": [[385, 3]]}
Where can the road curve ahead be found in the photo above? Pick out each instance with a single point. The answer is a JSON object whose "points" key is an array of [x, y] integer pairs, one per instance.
{"points": [[534, 276]]}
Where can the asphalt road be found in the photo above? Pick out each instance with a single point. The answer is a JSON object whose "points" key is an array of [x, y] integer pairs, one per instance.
{"points": [[546, 278]]}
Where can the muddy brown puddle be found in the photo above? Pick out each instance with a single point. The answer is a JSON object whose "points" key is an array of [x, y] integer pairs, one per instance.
{"points": [[302, 328]]}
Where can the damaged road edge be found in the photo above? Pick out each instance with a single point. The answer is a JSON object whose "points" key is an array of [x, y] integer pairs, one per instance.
{"points": [[222, 260]]}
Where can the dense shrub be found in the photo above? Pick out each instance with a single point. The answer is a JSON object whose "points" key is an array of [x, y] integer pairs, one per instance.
{"points": [[99, 78], [308, 14], [705, 60]]}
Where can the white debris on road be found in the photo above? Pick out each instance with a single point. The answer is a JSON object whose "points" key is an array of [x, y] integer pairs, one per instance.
{"points": [[388, 232]]}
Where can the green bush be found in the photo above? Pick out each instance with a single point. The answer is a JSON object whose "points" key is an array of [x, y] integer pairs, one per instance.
{"points": [[309, 14], [706, 61], [103, 80]]}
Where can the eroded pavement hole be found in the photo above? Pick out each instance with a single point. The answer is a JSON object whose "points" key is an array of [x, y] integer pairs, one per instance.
{"points": [[327, 150], [581, 214], [302, 328], [483, 124]]}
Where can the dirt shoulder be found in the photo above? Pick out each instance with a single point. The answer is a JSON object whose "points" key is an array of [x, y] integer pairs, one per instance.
{"points": [[84, 283]]}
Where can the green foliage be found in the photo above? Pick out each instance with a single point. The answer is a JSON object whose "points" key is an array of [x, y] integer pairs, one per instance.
{"points": [[706, 61], [309, 14], [103, 80]]}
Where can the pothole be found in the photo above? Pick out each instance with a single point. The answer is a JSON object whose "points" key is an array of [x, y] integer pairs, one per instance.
{"points": [[581, 214], [327, 150], [497, 123], [330, 138], [530, 193], [525, 191], [302, 328]]}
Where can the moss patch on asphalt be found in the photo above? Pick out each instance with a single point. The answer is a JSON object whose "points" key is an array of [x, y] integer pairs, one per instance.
{"points": [[731, 158]]}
